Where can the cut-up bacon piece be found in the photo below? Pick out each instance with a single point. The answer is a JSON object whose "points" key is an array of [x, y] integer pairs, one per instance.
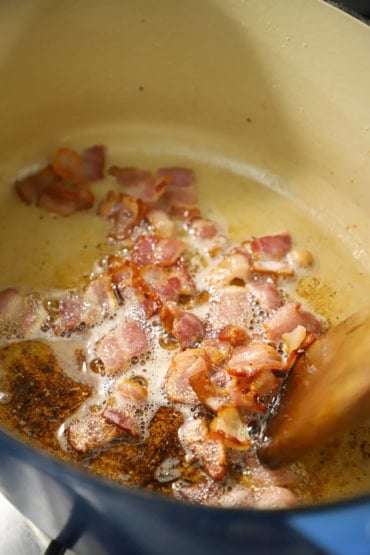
{"points": [[288, 317], [117, 348], [274, 246], [205, 446], [184, 365], [250, 359], [229, 425], [123, 212], [141, 184]]}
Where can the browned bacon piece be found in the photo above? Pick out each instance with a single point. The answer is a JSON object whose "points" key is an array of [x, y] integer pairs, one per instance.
{"points": [[166, 285], [67, 164], [177, 177], [90, 432], [169, 312], [312, 323], [130, 389], [31, 187], [241, 395], [254, 393], [216, 353], [234, 335], [117, 348], [204, 446], [188, 329], [209, 394], [275, 497], [127, 401], [123, 416], [99, 300], [270, 497], [230, 305], [123, 272], [65, 199], [11, 304], [184, 326], [129, 176], [249, 360], [150, 249], [168, 251], [238, 496], [234, 266], [135, 338], [49, 192], [141, 184], [265, 293], [66, 312], [163, 226], [20, 315], [180, 187], [169, 282], [111, 353], [123, 212], [184, 365], [254, 381], [203, 228], [275, 268], [144, 249], [80, 168], [272, 246], [208, 492], [87, 306], [202, 491], [287, 318], [132, 287], [261, 476], [211, 380], [93, 161], [151, 285], [63, 186], [231, 427]]}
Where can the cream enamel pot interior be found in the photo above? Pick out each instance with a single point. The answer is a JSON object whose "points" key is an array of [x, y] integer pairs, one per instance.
{"points": [[270, 91]]}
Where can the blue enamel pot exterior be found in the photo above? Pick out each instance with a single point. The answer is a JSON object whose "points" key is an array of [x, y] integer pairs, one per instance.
{"points": [[92, 516]]}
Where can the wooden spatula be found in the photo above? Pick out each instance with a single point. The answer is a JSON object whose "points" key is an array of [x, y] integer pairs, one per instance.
{"points": [[327, 392]]}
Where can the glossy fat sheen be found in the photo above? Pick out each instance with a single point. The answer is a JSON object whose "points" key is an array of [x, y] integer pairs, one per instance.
{"points": [[273, 99]]}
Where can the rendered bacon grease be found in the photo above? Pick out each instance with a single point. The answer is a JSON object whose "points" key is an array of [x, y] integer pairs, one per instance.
{"points": [[172, 318]]}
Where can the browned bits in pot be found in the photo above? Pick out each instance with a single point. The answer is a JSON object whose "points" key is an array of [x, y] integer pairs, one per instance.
{"points": [[42, 394]]}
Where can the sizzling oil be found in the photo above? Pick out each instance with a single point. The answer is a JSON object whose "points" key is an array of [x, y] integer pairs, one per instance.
{"points": [[39, 250]]}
